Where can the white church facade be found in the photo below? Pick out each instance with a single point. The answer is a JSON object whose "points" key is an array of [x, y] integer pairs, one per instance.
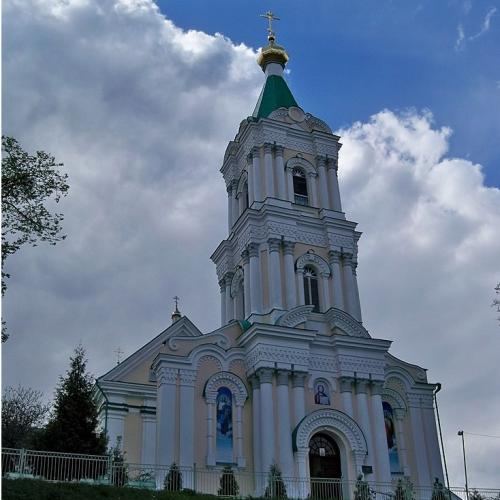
{"points": [[292, 377]]}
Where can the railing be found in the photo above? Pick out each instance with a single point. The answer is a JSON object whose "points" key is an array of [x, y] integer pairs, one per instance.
{"points": [[98, 469]]}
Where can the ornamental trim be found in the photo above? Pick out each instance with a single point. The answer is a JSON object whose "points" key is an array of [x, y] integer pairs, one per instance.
{"points": [[330, 419], [229, 380], [295, 316], [316, 261], [345, 322]]}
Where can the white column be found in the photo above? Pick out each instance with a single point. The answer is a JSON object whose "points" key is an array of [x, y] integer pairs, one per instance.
{"points": [[255, 278], [357, 304], [250, 180], [290, 289], [300, 286], [246, 281], [399, 415], [267, 418], [268, 166], [280, 172], [285, 431], [338, 298], [326, 291], [240, 458], [334, 185], [166, 405], [364, 421], [274, 273], [417, 428], [211, 425], [323, 182], [222, 285], [186, 424], [257, 180], [229, 301], [289, 182], [257, 461], [115, 428], [234, 185], [431, 439], [348, 284], [230, 205], [312, 189], [383, 468], [299, 401], [346, 395], [148, 454]]}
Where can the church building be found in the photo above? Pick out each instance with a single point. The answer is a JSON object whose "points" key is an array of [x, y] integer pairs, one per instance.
{"points": [[292, 377]]}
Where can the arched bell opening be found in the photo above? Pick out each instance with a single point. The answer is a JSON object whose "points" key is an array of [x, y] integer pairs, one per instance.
{"points": [[325, 467]]}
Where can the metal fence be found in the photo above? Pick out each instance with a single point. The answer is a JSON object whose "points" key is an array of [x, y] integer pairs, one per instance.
{"points": [[97, 469]]}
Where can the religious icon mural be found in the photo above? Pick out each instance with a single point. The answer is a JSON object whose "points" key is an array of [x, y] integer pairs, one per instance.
{"points": [[390, 431], [321, 393], [224, 436]]}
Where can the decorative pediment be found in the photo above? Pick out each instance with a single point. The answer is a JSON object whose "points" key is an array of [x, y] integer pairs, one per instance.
{"points": [[295, 316], [346, 323], [182, 328]]}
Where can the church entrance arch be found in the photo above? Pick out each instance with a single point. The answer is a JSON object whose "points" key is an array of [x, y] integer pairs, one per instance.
{"points": [[325, 467]]}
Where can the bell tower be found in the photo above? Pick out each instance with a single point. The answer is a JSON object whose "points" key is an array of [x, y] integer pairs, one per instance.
{"points": [[289, 245]]}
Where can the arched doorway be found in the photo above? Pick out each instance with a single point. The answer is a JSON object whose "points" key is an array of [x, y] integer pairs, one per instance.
{"points": [[325, 468]]}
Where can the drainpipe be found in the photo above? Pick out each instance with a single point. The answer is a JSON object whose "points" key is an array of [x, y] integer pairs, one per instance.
{"points": [[437, 388], [105, 408]]}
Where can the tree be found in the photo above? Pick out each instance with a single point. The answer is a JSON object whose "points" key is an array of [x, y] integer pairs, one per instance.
{"points": [[173, 480], [362, 489], [73, 425], [438, 490], [475, 495], [275, 486], [28, 184], [119, 471], [22, 411], [228, 484]]}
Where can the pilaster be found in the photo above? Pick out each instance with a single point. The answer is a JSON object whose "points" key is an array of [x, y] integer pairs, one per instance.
{"points": [[274, 273], [291, 294]]}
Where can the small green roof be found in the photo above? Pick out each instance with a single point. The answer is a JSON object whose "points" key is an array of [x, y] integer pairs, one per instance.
{"points": [[274, 95]]}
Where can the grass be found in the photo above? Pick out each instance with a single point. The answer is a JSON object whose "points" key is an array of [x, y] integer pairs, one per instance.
{"points": [[32, 489]]}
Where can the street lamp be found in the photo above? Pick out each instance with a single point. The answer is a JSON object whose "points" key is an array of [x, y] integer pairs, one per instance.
{"points": [[461, 433]]}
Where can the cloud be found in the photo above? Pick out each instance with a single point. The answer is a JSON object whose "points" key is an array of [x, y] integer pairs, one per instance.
{"points": [[428, 267], [140, 112], [462, 39]]}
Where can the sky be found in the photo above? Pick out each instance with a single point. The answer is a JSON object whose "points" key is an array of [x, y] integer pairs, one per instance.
{"points": [[139, 102]]}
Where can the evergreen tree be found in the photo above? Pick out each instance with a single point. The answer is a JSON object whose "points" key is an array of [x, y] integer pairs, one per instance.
{"points": [[228, 483], [362, 491], [475, 495], [404, 490], [275, 486], [119, 472], [173, 480], [438, 491], [73, 425]]}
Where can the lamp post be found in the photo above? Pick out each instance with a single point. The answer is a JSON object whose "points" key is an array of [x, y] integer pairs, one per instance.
{"points": [[461, 433]]}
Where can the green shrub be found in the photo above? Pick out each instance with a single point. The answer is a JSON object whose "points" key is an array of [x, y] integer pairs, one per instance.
{"points": [[228, 483], [173, 480], [362, 491], [275, 486]]}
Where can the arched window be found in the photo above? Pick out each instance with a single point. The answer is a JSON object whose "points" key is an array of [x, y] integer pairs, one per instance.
{"points": [[300, 187], [311, 294], [390, 431], [224, 419]]}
